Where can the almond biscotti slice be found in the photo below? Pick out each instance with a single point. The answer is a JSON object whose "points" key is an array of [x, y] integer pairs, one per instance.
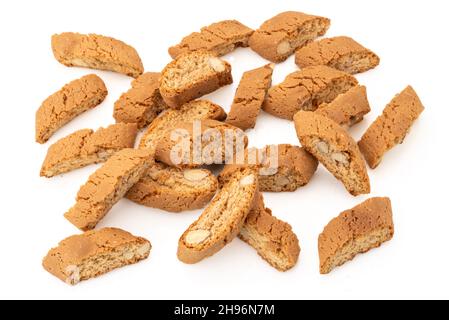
{"points": [[341, 53], [249, 97], [220, 38], [273, 239], [106, 186], [194, 110], [85, 147], [192, 75], [197, 143], [334, 148], [306, 90], [174, 190], [96, 52], [222, 219], [280, 168], [64, 105], [279, 37], [348, 108], [142, 103], [391, 127], [355, 231], [89, 255]]}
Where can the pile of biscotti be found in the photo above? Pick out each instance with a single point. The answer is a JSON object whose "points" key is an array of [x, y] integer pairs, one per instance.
{"points": [[323, 99]]}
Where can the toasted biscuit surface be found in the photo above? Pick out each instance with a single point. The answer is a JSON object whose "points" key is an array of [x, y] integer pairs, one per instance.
{"points": [[94, 253], [85, 147], [64, 105], [96, 52], [219, 38]]}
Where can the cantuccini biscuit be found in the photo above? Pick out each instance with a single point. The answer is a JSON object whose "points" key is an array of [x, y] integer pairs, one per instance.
{"points": [[348, 108], [142, 103], [279, 37], [206, 142], [292, 167], [341, 53], [391, 127], [306, 90], [249, 97], [219, 38], [194, 110], [355, 231], [174, 190], [334, 148], [222, 219], [85, 256], [107, 186], [192, 75], [96, 52], [273, 239], [85, 147], [64, 105]]}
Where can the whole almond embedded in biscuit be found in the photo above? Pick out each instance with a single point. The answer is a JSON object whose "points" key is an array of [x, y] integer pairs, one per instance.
{"points": [[247, 180], [74, 274], [195, 175], [323, 147], [217, 64], [284, 48], [340, 157], [197, 236]]}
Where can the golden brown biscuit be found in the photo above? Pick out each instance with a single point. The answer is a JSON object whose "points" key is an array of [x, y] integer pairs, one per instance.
{"points": [[222, 219], [85, 147], [280, 168], [391, 127], [273, 239], [355, 231], [341, 53], [334, 148], [195, 110], [348, 108], [279, 37], [192, 75], [220, 38], [306, 90], [249, 97], [142, 103], [96, 52], [91, 254], [107, 186], [63, 106], [206, 142], [174, 190]]}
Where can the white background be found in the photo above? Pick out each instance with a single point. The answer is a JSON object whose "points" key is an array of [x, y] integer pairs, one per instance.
{"points": [[409, 36]]}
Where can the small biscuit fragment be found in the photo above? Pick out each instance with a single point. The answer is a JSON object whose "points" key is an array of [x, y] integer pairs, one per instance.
{"points": [[280, 168], [220, 38], [106, 186], [249, 97], [206, 142], [348, 108], [64, 105], [334, 148], [355, 231], [279, 37], [91, 254], [391, 127], [273, 239], [341, 53], [194, 110], [85, 147], [174, 190], [306, 90], [96, 52], [142, 103], [222, 219], [192, 75]]}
